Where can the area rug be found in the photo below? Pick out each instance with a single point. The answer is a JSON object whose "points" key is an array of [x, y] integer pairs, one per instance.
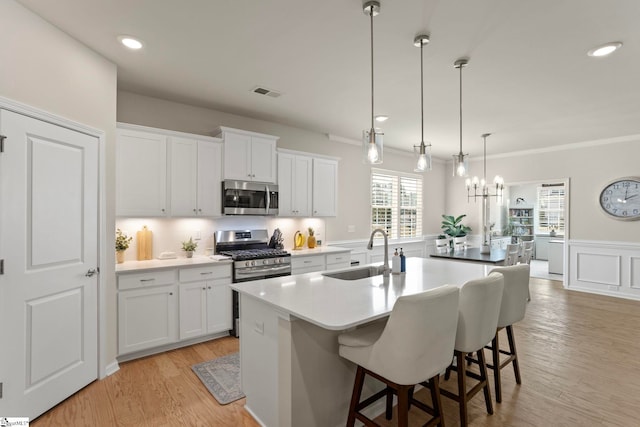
{"points": [[221, 376]]}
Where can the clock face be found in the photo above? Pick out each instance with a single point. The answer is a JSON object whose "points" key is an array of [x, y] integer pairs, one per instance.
{"points": [[621, 199]]}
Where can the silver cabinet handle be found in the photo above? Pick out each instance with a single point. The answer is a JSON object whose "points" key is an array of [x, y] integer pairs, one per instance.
{"points": [[208, 272], [195, 210], [91, 272], [147, 280]]}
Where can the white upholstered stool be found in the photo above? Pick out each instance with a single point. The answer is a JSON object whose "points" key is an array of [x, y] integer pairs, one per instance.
{"points": [[413, 347]]}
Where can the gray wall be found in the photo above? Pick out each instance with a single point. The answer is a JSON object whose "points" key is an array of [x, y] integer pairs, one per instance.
{"points": [[588, 166], [353, 175], [45, 68]]}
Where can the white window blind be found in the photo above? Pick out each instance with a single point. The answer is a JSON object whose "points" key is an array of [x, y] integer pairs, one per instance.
{"points": [[396, 204], [550, 208]]}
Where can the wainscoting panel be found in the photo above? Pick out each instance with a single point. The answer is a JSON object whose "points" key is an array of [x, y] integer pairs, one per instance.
{"points": [[609, 268]]}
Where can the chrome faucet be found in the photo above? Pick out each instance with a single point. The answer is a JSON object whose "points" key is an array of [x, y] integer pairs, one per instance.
{"points": [[385, 267]]}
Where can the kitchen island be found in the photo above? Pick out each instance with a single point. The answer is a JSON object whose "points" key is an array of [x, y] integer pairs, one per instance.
{"points": [[291, 372]]}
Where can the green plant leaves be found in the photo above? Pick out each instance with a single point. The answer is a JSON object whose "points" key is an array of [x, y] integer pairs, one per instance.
{"points": [[452, 226]]}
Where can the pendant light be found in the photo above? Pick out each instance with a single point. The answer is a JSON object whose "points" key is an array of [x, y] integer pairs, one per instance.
{"points": [[422, 151], [372, 138], [460, 160]]}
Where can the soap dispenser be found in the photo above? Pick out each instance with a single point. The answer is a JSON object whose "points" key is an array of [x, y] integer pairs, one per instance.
{"points": [[395, 263], [403, 262]]}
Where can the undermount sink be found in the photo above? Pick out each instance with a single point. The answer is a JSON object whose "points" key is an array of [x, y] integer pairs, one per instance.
{"points": [[355, 274]]}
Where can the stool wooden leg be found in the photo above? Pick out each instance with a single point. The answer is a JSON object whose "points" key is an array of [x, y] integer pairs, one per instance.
{"points": [[389, 412], [495, 351], [484, 379], [355, 396], [514, 352], [462, 387], [403, 406], [436, 399]]}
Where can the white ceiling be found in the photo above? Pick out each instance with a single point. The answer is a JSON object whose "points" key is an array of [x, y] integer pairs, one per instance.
{"points": [[529, 80]]}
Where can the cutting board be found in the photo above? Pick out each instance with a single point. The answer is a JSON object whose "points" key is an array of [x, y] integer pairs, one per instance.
{"points": [[145, 244]]}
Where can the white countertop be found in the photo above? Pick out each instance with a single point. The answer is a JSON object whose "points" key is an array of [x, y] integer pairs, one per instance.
{"points": [[131, 266], [318, 250], [341, 304]]}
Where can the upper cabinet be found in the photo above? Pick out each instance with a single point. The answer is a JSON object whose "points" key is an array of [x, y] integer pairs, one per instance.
{"points": [[294, 184], [325, 187], [249, 156], [162, 172], [195, 176], [141, 173], [307, 184]]}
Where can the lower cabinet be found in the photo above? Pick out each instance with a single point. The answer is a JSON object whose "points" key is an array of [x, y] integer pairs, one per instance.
{"points": [[309, 263], [147, 317], [197, 302]]}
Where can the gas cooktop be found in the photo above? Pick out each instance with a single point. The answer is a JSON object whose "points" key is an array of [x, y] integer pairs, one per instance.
{"points": [[246, 254]]}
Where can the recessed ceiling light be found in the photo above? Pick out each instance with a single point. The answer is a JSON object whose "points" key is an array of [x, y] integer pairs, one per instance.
{"points": [[130, 42], [381, 118], [605, 49]]}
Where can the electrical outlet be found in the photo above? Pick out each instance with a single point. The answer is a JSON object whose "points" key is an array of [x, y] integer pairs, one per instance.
{"points": [[351, 228], [197, 235]]}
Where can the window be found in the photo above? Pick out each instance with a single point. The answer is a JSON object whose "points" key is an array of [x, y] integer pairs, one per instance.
{"points": [[550, 208], [396, 203]]}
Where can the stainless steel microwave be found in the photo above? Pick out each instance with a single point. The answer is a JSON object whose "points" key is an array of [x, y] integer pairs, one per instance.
{"points": [[249, 198]]}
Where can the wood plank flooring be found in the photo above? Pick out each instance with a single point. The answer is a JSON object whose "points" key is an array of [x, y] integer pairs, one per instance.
{"points": [[579, 360]]}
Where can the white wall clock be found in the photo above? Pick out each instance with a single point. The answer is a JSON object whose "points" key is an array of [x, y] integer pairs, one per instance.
{"points": [[620, 199]]}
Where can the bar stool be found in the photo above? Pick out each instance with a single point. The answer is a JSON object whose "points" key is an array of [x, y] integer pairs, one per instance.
{"points": [[477, 321], [527, 252], [413, 347], [513, 252], [512, 310]]}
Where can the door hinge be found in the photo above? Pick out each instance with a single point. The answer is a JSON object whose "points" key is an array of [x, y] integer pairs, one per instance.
{"points": [[2, 138], [1, 266]]}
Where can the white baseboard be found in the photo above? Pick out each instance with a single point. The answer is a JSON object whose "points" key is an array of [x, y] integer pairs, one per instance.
{"points": [[111, 368]]}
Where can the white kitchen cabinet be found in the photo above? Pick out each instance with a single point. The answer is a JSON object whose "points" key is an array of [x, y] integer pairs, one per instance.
{"points": [[542, 247], [147, 318], [338, 261], [141, 173], [294, 184], [195, 176], [307, 264], [325, 187], [249, 156], [205, 300]]}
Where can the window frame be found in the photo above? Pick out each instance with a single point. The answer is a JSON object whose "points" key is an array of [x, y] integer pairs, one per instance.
{"points": [[396, 225]]}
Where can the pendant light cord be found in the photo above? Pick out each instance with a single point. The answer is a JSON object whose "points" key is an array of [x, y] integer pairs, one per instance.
{"points": [[484, 166], [421, 98], [461, 65], [371, 16]]}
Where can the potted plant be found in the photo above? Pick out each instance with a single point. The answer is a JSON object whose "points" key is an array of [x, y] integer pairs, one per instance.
{"points": [[122, 244], [453, 227], [311, 240], [189, 246]]}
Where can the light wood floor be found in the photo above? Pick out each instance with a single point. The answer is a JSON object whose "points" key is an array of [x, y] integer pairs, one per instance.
{"points": [[579, 360]]}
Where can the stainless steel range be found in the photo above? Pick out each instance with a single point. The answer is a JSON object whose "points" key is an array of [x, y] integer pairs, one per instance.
{"points": [[253, 259]]}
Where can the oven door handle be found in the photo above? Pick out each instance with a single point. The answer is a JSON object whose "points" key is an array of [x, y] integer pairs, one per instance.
{"points": [[262, 270]]}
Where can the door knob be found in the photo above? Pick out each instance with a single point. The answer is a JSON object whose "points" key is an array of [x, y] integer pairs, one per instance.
{"points": [[91, 272]]}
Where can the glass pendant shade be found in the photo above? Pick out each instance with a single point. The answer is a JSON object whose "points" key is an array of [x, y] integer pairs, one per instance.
{"points": [[460, 165], [422, 154], [372, 146]]}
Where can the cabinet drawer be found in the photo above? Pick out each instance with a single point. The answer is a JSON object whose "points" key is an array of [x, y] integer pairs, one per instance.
{"points": [[340, 258], [307, 261], [205, 273], [152, 278]]}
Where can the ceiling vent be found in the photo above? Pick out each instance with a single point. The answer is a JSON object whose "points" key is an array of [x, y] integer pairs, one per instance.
{"points": [[264, 91]]}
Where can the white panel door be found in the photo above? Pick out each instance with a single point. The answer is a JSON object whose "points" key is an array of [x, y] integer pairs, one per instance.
{"points": [[183, 155], [263, 159], [209, 179], [218, 305], [325, 187], [302, 185], [193, 310], [49, 241], [286, 184]]}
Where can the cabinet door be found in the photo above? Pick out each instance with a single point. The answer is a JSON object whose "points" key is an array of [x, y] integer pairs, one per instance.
{"points": [[183, 154], [193, 309], [302, 185], [209, 178], [141, 174], [325, 187], [263, 159], [286, 183], [147, 318], [237, 156], [218, 306]]}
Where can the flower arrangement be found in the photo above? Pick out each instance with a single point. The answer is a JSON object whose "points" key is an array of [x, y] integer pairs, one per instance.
{"points": [[122, 241], [189, 245]]}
